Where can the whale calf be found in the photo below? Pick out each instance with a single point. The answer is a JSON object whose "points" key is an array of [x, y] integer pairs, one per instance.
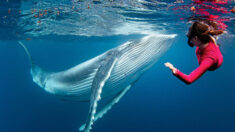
{"points": [[110, 74]]}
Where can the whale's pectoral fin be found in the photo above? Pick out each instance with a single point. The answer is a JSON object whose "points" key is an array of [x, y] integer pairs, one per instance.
{"points": [[108, 106], [102, 74]]}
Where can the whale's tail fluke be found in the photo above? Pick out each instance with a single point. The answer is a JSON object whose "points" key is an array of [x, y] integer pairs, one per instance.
{"points": [[38, 74], [27, 52]]}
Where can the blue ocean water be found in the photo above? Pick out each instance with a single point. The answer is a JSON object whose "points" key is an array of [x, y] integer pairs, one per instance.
{"points": [[71, 33]]}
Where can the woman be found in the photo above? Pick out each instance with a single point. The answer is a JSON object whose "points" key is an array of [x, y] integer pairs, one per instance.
{"points": [[201, 34]]}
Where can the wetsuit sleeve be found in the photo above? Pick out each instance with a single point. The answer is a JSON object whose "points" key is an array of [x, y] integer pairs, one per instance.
{"points": [[198, 72]]}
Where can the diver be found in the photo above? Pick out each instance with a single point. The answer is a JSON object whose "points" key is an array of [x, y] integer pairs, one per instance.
{"points": [[202, 35]]}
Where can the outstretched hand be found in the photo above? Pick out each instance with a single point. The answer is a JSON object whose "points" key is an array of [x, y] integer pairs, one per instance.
{"points": [[171, 67]]}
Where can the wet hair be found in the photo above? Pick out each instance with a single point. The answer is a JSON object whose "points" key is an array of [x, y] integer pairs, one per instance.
{"points": [[204, 30]]}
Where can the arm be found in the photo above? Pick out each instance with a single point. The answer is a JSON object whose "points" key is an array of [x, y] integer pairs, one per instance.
{"points": [[198, 72]]}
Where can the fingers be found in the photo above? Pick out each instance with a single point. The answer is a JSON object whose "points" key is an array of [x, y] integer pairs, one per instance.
{"points": [[171, 67], [167, 64]]}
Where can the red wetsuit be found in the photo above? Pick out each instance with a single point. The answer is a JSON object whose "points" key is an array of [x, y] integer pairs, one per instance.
{"points": [[209, 58]]}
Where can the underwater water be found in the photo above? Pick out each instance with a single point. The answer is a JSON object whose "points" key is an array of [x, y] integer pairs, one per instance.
{"points": [[61, 34]]}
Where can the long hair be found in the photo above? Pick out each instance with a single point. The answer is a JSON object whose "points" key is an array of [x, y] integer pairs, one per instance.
{"points": [[203, 30]]}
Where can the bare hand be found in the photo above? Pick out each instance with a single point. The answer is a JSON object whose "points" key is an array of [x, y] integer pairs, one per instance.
{"points": [[171, 67]]}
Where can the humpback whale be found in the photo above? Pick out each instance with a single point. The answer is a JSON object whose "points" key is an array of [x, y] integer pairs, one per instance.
{"points": [[110, 74]]}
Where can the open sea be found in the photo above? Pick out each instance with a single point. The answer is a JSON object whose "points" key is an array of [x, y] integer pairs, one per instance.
{"points": [[60, 34]]}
